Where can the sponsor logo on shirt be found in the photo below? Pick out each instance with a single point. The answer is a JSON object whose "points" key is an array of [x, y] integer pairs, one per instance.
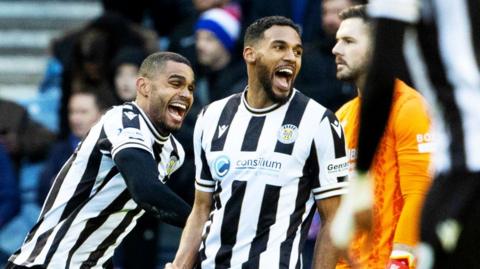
{"points": [[338, 167], [424, 143], [259, 163], [287, 134], [221, 166]]}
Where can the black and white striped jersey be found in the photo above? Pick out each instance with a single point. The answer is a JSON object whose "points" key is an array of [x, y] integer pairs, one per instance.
{"points": [[265, 168], [89, 209], [443, 53]]}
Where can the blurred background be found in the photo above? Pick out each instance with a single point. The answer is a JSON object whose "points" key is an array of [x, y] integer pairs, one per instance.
{"points": [[63, 63]]}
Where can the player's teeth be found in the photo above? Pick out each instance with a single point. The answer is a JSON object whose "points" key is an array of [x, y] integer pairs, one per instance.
{"points": [[286, 71]]}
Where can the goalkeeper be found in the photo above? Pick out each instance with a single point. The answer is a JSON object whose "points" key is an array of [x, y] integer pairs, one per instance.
{"points": [[389, 198]]}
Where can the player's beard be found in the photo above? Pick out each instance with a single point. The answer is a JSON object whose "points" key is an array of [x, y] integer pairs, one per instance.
{"points": [[265, 80]]}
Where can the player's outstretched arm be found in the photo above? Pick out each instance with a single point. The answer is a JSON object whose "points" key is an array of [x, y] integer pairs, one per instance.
{"points": [[139, 170], [326, 255], [192, 234]]}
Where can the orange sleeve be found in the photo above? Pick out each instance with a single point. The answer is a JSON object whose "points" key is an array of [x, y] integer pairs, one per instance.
{"points": [[412, 127]]}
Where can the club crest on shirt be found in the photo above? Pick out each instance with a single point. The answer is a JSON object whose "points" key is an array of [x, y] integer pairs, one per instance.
{"points": [[171, 165], [221, 166], [287, 134]]}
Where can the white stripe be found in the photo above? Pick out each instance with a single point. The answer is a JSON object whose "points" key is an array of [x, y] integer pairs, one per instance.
{"points": [[331, 194], [206, 182], [204, 189], [130, 145], [330, 187], [403, 10]]}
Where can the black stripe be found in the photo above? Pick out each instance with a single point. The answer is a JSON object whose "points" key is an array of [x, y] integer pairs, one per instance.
{"points": [[71, 217], [325, 191], [303, 193], [52, 195], [473, 8], [96, 255], [252, 135], [338, 138], [304, 235], [293, 116], [93, 224], [157, 152], [228, 113], [428, 38], [204, 185], [205, 173], [130, 118], [79, 197], [267, 217], [228, 232], [311, 168]]}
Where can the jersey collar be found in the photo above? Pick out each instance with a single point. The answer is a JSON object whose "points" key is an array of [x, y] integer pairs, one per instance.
{"points": [[265, 109]]}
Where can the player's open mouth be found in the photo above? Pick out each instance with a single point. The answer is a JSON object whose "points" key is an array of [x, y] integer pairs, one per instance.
{"points": [[283, 77], [178, 110]]}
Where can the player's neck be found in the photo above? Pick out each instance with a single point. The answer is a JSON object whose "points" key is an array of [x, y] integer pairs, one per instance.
{"points": [[257, 96]]}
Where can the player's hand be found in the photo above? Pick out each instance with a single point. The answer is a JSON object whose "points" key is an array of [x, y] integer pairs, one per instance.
{"points": [[401, 259], [354, 212]]}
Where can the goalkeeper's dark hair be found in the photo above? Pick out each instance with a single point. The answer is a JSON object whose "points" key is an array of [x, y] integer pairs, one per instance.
{"points": [[358, 11]]}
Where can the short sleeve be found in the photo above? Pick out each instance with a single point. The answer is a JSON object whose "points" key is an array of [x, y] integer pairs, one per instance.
{"points": [[203, 178], [123, 129], [329, 147]]}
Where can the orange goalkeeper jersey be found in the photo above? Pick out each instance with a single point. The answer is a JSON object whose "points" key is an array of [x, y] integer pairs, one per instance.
{"points": [[401, 173]]}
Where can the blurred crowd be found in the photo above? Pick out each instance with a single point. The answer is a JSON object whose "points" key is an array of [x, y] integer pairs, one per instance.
{"points": [[93, 68]]}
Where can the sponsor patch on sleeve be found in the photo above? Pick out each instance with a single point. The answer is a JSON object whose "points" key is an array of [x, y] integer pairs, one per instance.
{"points": [[338, 167]]}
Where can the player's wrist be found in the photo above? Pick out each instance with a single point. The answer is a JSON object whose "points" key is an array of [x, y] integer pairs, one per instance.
{"points": [[401, 259]]}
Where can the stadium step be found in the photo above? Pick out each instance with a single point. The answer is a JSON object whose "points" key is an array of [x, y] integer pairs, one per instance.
{"points": [[26, 28]]}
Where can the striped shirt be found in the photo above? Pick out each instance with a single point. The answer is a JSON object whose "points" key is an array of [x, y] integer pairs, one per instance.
{"points": [[443, 53], [265, 169], [89, 209]]}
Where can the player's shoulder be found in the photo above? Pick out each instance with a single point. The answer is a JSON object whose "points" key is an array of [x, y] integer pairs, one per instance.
{"points": [[216, 107], [349, 107], [407, 97], [312, 105]]}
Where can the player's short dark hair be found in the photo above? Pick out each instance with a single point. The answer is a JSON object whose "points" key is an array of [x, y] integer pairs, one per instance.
{"points": [[255, 31], [358, 11], [155, 62]]}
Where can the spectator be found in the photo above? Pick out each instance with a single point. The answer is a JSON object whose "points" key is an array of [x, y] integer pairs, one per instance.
{"points": [[216, 33], [21, 136], [125, 68], [84, 110], [183, 38], [317, 78]]}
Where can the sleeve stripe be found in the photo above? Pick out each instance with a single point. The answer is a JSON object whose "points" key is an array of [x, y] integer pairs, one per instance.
{"points": [[205, 182], [331, 194], [330, 187], [204, 189], [130, 145]]}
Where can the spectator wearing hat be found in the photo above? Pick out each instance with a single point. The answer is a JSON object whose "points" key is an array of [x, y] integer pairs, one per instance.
{"points": [[220, 74], [125, 68]]}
